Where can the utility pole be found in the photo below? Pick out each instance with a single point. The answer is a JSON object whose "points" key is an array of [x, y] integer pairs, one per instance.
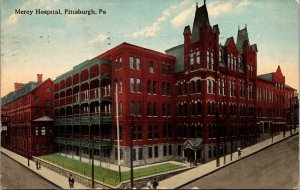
{"points": [[131, 153], [28, 146], [290, 118], [118, 133], [93, 177], [218, 138]]}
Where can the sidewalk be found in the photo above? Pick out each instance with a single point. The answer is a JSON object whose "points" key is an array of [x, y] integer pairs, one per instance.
{"points": [[55, 178], [205, 169]]}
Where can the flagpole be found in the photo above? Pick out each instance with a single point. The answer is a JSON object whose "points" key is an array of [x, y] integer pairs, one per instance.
{"points": [[118, 132]]}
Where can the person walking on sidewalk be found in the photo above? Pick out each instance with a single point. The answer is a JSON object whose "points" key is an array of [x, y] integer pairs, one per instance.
{"points": [[71, 181], [37, 165], [239, 152]]}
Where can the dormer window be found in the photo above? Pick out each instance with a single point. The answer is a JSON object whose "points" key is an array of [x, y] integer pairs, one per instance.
{"points": [[220, 55], [192, 61]]}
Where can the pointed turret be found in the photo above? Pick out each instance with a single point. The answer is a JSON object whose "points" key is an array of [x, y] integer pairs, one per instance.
{"points": [[242, 39], [200, 20], [187, 45]]}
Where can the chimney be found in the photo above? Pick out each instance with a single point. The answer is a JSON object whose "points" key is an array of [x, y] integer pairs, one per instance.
{"points": [[18, 85], [40, 78]]}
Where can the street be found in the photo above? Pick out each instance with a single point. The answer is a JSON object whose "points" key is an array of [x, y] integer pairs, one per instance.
{"points": [[273, 168], [16, 176]]}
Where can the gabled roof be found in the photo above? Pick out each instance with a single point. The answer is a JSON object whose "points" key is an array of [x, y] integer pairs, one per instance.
{"points": [[242, 38], [25, 89], [44, 118], [201, 19], [193, 143]]}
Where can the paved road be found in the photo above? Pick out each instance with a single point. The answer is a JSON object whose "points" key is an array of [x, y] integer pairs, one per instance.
{"points": [[16, 176], [273, 168]]}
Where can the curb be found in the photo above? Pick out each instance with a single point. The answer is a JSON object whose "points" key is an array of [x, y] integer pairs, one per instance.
{"points": [[32, 171], [297, 133]]}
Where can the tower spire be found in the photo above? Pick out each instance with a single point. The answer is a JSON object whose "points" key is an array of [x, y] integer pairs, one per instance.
{"points": [[204, 2], [196, 4]]}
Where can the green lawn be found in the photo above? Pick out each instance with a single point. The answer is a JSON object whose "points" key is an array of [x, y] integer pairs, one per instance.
{"points": [[105, 175]]}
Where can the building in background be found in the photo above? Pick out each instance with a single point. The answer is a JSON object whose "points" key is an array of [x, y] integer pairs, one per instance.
{"points": [[27, 114]]}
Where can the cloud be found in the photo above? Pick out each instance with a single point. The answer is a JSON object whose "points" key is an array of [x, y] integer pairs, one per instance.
{"points": [[297, 1], [150, 31], [243, 4], [13, 18], [99, 38], [183, 17], [215, 10]]}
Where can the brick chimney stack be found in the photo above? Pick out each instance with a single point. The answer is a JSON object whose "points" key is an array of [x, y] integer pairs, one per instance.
{"points": [[18, 85], [40, 78]]}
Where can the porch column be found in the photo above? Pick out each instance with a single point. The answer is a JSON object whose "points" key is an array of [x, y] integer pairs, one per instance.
{"points": [[195, 155], [182, 153]]}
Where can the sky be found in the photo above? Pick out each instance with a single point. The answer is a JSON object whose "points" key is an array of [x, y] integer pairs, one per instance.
{"points": [[54, 44]]}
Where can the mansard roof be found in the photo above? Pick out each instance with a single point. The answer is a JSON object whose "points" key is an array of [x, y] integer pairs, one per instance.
{"points": [[178, 52], [242, 38], [201, 19], [267, 77]]}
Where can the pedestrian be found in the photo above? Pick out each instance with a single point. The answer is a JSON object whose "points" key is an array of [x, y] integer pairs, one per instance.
{"points": [[149, 184], [239, 152], [71, 181], [155, 183], [37, 164]]}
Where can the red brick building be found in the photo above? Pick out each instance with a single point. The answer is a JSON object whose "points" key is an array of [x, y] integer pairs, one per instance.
{"points": [[198, 101], [27, 114]]}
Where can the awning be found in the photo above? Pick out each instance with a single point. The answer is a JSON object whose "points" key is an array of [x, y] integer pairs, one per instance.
{"points": [[193, 143], [44, 118]]}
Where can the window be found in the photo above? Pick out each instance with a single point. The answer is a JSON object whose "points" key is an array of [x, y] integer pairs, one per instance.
{"points": [[149, 86], [133, 132], [36, 98], [134, 154], [192, 108], [131, 62], [138, 63], [140, 132], [170, 150], [208, 86], [179, 150], [220, 55], [43, 131], [154, 87], [164, 88], [36, 147], [192, 87], [184, 88], [166, 69], [179, 92], [36, 131], [120, 62], [199, 108], [212, 61], [165, 150], [149, 132], [120, 108], [120, 85], [140, 153], [208, 58], [192, 61], [149, 108], [198, 87], [156, 151], [138, 85], [151, 67], [168, 89], [155, 109], [139, 108], [155, 131], [132, 107], [169, 110], [198, 57], [149, 152], [163, 109], [131, 84]]}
